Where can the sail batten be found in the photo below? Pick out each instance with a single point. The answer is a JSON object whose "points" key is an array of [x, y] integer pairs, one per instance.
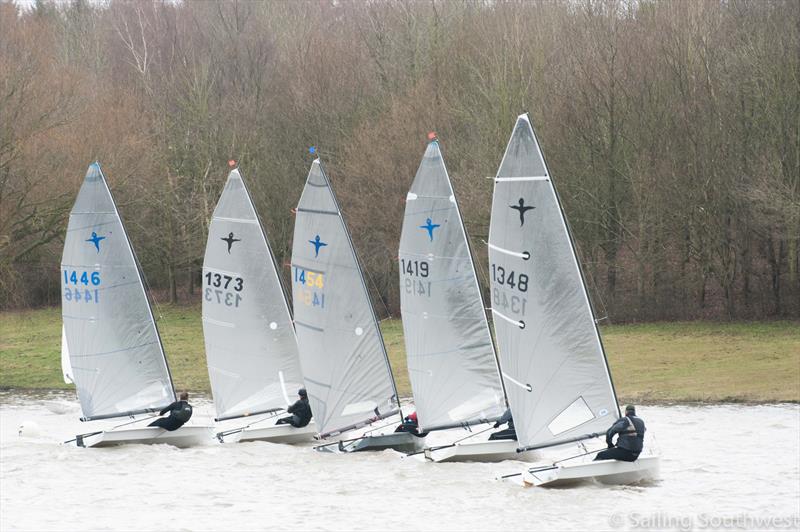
{"points": [[345, 364], [452, 363], [110, 337], [250, 339], [546, 333]]}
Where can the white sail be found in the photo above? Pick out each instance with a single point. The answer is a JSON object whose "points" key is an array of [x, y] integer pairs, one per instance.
{"points": [[555, 370], [451, 359], [115, 351], [344, 360], [66, 368], [250, 341]]}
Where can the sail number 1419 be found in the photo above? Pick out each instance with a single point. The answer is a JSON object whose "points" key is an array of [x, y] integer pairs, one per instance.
{"points": [[418, 268]]}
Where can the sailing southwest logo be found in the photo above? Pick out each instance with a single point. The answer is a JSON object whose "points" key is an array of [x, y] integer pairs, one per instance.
{"points": [[317, 243], [230, 240], [95, 240]]}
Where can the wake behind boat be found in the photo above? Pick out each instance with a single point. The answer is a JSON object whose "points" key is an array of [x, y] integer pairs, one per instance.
{"points": [[345, 364], [111, 348], [251, 347], [559, 383], [452, 364]]}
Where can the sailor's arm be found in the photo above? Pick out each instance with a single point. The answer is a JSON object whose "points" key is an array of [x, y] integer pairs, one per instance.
{"points": [[168, 408], [505, 418]]}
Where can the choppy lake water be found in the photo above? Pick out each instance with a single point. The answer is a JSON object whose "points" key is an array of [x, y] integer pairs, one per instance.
{"points": [[727, 467]]}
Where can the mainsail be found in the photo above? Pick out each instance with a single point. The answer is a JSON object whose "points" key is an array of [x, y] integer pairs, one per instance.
{"points": [[344, 360], [250, 340], [115, 352], [553, 361], [66, 368], [451, 359]]}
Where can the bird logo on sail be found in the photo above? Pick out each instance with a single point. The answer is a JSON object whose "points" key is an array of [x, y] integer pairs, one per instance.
{"points": [[96, 240], [429, 226], [230, 240], [317, 243], [522, 208]]}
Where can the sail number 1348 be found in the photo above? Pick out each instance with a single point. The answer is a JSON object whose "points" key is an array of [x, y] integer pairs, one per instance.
{"points": [[510, 279]]}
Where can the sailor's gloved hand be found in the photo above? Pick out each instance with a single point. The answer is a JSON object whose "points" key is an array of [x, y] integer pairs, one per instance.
{"points": [[497, 424]]}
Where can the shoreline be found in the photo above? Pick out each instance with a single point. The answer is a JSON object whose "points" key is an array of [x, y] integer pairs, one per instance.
{"points": [[681, 363]]}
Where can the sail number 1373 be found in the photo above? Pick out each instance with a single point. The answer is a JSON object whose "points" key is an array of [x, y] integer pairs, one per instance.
{"points": [[223, 289]]}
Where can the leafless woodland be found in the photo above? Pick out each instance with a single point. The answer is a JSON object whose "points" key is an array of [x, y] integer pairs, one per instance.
{"points": [[672, 130]]}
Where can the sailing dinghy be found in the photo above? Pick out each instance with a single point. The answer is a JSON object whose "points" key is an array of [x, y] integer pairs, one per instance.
{"points": [[111, 340], [344, 360], [554, 366], [452, 363], [250, 341]]}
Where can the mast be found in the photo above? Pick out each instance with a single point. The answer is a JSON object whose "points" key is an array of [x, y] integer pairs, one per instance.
{"points": [[364, 287], [453, 364], [580, 270], [480, 292], [110, 335], [250, 340], [269, 248], [141, 280], [547, 334], [346, 365]]}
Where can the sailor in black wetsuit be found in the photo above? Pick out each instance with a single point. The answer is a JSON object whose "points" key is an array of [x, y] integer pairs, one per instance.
{"points": [[300, 410], [506, 434], [179, 413], [630, 441]]}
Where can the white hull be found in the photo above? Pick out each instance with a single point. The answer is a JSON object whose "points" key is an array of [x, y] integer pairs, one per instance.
{"points": [[186, 436], [273, 434], [487, 451], [403, 442], [604, 471]]}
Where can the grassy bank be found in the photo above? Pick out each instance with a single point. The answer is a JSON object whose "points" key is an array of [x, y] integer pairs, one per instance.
{"points": [[664, 362]]}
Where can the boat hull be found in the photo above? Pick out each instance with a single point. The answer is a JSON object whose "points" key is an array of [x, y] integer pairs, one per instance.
{"points": [[273, 434], [613, 472], [488, 451], [186, 436], [404, 442]]}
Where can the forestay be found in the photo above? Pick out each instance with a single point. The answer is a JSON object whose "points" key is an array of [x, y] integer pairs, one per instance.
{"points": [[115, 352], [451, 359], [553, 362], [344, 361], [250, 342]]}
